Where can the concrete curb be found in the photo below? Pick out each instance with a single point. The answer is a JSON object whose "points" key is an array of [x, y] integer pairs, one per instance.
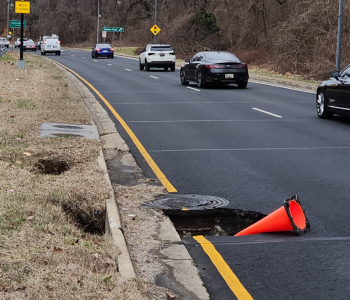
{"points": [[113, 222], [174, 254]]}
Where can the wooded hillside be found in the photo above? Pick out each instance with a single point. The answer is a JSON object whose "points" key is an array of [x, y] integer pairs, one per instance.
{"points": [[295, 36]]}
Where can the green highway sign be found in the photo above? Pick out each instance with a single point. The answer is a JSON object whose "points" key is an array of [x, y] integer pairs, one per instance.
{"points": [[17, 24], [113, 29]]}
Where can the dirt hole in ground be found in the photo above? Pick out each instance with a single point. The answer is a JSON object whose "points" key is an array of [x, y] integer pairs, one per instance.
{"points": [[212, 222], [93, 222], [50, 166]]}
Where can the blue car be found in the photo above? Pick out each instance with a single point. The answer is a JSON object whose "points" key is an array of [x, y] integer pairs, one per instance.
{"points": [[102, 50]]}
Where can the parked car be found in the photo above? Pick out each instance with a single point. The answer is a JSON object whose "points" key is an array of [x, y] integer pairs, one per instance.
{"points": [[38, 45], [214, 67], [51, 44], [4, 42], [18, 42], [333, 95], [157, 56], [29, 45], [102, 50]]}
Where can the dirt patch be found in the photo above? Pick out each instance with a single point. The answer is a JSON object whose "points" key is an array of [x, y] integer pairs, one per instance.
{"points": [[52, 194]]}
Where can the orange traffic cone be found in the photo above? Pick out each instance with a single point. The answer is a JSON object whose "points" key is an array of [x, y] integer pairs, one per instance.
{"points": [[289, 217]]}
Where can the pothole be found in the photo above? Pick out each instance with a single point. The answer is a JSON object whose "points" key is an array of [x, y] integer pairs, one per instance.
{"points": [[204, 215], [212, 222], [93, 222], [50, 166]]}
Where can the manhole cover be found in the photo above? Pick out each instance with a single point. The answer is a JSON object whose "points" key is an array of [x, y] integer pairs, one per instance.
{"points": [[187, 202]]}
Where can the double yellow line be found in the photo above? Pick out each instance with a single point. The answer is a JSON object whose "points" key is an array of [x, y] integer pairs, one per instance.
{"points": [[165, 182]]}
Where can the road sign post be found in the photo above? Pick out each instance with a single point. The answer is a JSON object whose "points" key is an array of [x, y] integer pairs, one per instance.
{"points": [[22, 7]]}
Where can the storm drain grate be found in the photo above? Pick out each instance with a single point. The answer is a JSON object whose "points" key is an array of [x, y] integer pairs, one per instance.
{"points": [[187, 202], [61, 130]]}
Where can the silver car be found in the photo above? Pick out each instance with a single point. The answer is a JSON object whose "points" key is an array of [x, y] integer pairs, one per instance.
{"points": [[4, 42]]}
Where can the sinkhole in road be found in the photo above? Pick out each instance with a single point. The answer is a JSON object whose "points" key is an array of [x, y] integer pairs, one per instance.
{"points": [[204, 215]]}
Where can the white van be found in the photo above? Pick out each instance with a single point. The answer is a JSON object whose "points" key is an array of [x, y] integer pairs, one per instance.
{"points": [[51, 44]]}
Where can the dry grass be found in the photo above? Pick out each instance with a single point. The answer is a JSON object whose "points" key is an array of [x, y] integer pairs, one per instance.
{"points": [[44, 252]]}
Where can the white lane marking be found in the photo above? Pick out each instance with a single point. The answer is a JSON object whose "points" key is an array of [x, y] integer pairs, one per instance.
{"points": [[282, 87], [210, 121], [191, 88], [266, 112], [109, 65], [128, 70], [83, 58], [154, 77], [95, 60], [72, 55], [253, 149]]}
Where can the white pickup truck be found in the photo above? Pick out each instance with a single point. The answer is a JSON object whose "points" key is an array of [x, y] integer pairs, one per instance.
{"points": [[51, 44]]}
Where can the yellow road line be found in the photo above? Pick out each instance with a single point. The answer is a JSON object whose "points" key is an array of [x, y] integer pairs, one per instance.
{"points": [[166, 183], [231, 279]]}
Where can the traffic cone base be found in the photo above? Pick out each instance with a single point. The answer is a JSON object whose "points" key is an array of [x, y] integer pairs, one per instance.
{"points": [[289, 217]]}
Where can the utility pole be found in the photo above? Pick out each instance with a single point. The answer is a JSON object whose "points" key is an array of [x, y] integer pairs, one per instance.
{"points": [[340, 25], [155, 18], [8, 16], [98, 20]]}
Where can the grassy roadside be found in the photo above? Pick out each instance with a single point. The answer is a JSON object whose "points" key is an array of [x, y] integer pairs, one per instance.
{"points": [[52, 194]]}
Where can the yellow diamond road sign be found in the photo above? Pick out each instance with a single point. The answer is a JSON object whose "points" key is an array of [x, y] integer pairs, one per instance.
{"points": [[155, 29], [22, 7]]}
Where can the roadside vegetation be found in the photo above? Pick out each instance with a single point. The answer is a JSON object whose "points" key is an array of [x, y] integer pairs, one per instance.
{"points": [[288, 37], [52, 194]]}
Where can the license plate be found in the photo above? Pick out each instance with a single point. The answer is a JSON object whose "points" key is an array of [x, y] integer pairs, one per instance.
{"points": [[162, 54], [48, 46], [104, 51], [229, 76]]}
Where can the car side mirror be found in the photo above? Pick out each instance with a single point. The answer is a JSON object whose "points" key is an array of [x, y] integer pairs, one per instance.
{"points": [[187, 60], [335, 75]]}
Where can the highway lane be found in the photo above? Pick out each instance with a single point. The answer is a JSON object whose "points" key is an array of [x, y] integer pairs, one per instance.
{"points": [[254, 147]]}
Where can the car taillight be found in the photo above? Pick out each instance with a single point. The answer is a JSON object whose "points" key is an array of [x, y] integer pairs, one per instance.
{"points": [[59, 42], [242, 66], [151, 53], [213, 66], [98, 49], [111, 49], [172, 53], [45, 42]]}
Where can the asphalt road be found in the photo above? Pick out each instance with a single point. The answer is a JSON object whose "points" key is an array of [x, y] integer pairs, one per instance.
{"points": [[254, 147]]}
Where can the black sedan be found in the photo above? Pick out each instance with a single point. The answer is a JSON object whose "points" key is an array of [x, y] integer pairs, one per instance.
{"points": [[29, 45], [102, 50], [214, 67], [333, 95]]}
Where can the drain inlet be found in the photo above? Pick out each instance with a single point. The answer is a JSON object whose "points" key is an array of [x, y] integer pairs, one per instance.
{"points": [[212, 222]]}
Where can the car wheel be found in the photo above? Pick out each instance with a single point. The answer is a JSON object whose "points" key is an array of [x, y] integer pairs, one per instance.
{"points": [[242, 85], [141, 66], [172, 68], [165, 68], [200, 82], [183, 78], [321, 107], [112, 56], [147, 67]]}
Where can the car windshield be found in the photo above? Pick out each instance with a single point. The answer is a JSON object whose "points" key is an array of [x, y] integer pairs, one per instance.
{"points": [[103, 46], [161, 48], [221, 56]]}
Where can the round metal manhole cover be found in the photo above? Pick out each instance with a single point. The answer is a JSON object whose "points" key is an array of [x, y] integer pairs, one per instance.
{"points": [[187, 202]]}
